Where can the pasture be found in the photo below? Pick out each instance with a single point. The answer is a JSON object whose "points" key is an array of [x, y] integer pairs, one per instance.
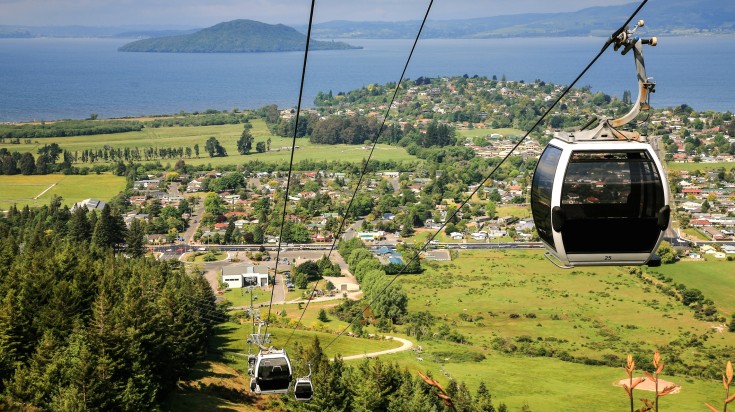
{"points": [[506, 132], [227, 135], [690, 167], [524, 315], [37, 191], [715, 279], [596, 315]]}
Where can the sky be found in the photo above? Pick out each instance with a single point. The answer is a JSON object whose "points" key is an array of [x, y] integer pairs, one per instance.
{"points": [[205, 13]]}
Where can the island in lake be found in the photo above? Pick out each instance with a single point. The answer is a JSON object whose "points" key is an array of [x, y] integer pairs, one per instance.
{"points": [[237, 36]]}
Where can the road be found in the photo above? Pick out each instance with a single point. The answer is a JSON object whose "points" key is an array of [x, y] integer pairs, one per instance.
{"points": [[406, 345], [327, 246]]}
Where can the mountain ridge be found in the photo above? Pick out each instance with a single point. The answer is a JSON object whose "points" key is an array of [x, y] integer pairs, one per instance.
{"points": [[236, 36], [672, 17]]}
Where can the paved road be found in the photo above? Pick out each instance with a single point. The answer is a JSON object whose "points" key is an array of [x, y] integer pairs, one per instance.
{"points": [[407, 344]]}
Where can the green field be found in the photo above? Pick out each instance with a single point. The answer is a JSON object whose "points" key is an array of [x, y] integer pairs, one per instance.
{"points": [[690, 167], [227, 135], [26, 190], [232, 336], [520, 212], [716, 280], [506, 132], [593, 313], [546, 384]]}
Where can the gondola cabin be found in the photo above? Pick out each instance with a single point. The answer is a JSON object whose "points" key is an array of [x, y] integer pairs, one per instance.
{"points": [[272, 373], [303, 390], [600, 202]]}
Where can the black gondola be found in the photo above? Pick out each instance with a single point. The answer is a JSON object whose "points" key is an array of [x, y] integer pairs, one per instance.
{"points": [[303, 391], [272, 373], [600, 196]]}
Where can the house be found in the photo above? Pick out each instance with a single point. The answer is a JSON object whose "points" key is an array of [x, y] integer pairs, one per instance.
{"points": [[194, 186], [240, 276], [481, 235], [147, 184], [91, 204], [371, 236]]}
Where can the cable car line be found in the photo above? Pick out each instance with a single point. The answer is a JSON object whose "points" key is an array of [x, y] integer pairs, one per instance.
{"points": [[290, 165], [607, 44], [271, 370], [365, 167]]}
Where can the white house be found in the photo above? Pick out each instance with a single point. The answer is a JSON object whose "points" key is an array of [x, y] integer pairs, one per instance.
{"points": [[240, 276]]}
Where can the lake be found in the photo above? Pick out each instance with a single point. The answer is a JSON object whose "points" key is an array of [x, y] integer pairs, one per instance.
{"points": [[55, 78]]}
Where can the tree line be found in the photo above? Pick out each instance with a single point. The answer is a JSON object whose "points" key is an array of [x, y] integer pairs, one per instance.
{"points": [[92, 126], [83, 328], [375, 385]]}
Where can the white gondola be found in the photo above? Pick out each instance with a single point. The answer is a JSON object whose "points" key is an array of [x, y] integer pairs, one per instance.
{"points": [[600, 196], [272, 373]]}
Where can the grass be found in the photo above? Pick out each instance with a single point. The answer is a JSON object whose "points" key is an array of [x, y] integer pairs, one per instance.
{"points": [[520, 212], [227, 135], [692, 233], [232, 337], [240, 297], [690, 167], [22, 190], [198, 257], [506, 132], [546, 384], [587, 312], [714, 278]]}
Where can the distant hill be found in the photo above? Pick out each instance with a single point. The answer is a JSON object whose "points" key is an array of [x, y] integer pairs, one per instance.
{"points": [[237, 36], [672, 17], [145, 34]]}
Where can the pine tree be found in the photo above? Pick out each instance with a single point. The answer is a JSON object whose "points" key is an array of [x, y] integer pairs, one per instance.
{"points": [[483, 399], [102, 235], [135, 239], [79, 228]]}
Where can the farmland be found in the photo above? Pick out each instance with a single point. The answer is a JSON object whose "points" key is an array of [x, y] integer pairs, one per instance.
{"points": [[563, 351], [39, 190], [227, 135]]}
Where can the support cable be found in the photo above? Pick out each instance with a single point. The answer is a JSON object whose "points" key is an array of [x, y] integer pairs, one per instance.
{"points": [[607, 44], [365, 167], [290, 165]]}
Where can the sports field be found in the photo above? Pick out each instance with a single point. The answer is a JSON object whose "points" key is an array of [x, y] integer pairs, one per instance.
{"points": [[39, 190]]}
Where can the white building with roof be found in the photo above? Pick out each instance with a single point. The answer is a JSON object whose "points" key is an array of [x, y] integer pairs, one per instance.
{"points": [[240, 276], [91, 204]]}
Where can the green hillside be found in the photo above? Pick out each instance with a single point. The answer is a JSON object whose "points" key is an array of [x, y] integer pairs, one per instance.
{"points": [[237, 36]]}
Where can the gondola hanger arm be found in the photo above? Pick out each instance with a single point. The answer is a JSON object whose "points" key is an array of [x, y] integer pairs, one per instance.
{"points": [[628, 41]]}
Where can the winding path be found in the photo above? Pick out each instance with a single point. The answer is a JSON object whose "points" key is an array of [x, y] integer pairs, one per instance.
{"points": [[406, 345]]}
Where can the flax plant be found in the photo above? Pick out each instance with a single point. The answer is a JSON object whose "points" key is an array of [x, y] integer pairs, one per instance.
{"points": [[659, 366], [442, 394], [726, 381], [632, 383]]}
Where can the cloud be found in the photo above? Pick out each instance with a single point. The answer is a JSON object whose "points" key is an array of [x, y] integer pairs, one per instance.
{"points": [[206, 13]]}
